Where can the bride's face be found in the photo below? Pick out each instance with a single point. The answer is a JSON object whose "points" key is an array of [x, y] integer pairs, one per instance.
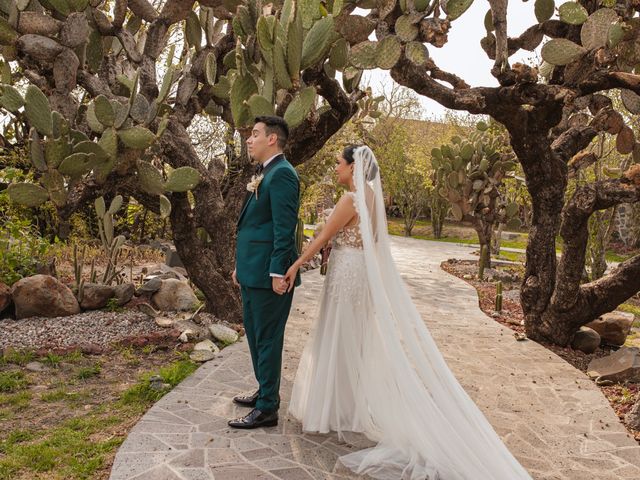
{"points": [[344, 170]]}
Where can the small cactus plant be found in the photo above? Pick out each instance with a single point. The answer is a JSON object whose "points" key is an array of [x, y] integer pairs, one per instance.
{"points": [[468, 173]]}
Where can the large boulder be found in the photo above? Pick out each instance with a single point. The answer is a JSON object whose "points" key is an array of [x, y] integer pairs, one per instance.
{"points": [[124, 292], [96, 295], [43, 296], [175, 295], [586, 340], [621, 366], [5, 296], [613, 327]]}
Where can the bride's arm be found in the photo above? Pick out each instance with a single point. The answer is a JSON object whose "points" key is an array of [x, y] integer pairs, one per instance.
{"points": [[342, 214]]}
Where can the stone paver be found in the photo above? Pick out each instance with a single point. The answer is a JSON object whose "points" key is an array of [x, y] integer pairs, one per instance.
{"points": [[554, 419]]}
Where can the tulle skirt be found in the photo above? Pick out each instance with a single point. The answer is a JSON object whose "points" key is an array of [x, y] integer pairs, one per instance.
{"points": [[356, 376]]}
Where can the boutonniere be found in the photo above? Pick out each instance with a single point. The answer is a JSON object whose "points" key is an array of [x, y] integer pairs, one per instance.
{"points": [[253, 185]]}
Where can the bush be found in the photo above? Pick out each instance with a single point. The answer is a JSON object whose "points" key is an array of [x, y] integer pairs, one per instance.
{"points": [[23, 249]]}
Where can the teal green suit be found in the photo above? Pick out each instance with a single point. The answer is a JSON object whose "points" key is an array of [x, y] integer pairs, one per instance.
{"points": [[265, 245]]}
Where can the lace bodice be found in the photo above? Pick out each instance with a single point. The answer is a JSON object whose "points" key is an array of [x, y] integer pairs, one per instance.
{"points": [[349, 235]]}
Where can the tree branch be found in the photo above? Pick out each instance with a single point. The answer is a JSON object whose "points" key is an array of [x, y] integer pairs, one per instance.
{"points": [[311, 135], [575, 232], [499, 14]]}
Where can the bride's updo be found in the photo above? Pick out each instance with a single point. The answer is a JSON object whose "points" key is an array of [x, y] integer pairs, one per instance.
{"points": [[371, 165]]}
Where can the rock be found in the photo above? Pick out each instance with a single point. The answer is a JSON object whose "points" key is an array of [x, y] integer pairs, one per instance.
{"points": [[151, 286], [35, 367], [91, 348], [172, 259], [124, 293], [96, 296], [513, 321], [44, 296], [175, 295], [159, 244], [225, 334], [586, 340], [182, 271], [5, 296], [199, 332], [621, 366], [187, 336], [147, 310], [162, 271], [156, 382], [207, 345], [613, 327], [202, 355], [632, 418], [165, 322]]}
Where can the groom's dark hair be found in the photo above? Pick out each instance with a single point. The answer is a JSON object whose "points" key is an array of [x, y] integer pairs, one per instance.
{"points": [[276, 125]]}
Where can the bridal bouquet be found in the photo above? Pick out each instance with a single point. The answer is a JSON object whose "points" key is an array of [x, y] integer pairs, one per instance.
{"points": [[326, 250]]}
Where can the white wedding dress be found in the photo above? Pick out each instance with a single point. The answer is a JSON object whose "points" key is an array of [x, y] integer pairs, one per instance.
{"points": [[371, 366]]}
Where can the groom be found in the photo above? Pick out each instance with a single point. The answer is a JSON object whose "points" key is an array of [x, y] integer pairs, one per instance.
{"points": [[265, 249]]}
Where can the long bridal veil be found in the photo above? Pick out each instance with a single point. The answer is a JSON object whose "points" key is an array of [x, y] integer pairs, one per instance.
{"points": [[424, 422]]}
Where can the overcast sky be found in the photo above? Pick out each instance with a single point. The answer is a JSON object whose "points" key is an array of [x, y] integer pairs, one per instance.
{"points": [[463, 55]]}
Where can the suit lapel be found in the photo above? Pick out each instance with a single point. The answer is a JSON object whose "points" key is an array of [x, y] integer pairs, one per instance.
{"points": [[250, 195]]}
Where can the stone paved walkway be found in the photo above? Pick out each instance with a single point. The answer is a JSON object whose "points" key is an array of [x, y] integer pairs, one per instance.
{"points": [[554, 420]]}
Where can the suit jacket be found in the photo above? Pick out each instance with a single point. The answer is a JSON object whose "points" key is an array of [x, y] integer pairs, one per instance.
{"points": [[266, 241]]}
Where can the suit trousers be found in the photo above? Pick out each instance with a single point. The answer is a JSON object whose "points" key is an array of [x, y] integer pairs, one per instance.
{"points": [[265, 316]]}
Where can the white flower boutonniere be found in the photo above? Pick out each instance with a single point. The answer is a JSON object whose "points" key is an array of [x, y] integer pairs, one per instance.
{"points": [[253, 185]]}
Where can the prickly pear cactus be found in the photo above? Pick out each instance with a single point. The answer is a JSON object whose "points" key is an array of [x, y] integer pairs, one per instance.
{"points": [[469, 172]]}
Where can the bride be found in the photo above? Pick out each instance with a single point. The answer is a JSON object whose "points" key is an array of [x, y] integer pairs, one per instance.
{"points": [[371, 365]]}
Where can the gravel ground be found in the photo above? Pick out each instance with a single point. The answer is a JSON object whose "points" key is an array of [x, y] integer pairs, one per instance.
{"points": [[94, 327]]}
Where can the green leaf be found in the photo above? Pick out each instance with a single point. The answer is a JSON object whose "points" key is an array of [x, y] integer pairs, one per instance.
{"points": [[544, 9], [92, 119], [104, 111], [136, 137], [37, 153], [573, 13], [317, 42], [595, 31], [27, 194], [210, 66], [101, 208], [76, 164], [165, 206], [38, 110], [455, 8], [11, 98], [182, 179], [193, 30], [259, 106], [150, 178], [560, 51], [300, 107]]}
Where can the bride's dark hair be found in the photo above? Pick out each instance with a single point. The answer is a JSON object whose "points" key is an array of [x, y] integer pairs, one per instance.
{"points": [[348, 152], [371, 169]]}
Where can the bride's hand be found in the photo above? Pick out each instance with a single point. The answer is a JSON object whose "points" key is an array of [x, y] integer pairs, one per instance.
{"points": [[290, 276]]}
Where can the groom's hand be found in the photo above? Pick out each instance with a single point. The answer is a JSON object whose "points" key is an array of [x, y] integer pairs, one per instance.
{"points": [[235, 278], [279, 285]]}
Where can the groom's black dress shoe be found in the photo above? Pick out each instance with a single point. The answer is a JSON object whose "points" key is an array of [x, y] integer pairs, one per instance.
{"points": [[247, 400], [255, 419]]}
